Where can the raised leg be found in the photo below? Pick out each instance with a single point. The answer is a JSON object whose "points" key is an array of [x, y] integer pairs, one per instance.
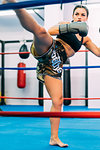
{"points": [[42, 39]]}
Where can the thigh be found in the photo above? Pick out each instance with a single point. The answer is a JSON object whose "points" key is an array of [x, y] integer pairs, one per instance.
{"points": [[42, 43], [54, 87]]}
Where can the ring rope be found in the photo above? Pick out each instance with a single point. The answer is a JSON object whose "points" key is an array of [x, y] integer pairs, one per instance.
{"points": [[30, 52], [52, 114], [34, 68], [15, 53], [83, 51], [21, 68], [43, 98], [33, 3]]}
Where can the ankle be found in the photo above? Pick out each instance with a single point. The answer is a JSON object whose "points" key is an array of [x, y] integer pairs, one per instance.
{"points": [[54, 137]]}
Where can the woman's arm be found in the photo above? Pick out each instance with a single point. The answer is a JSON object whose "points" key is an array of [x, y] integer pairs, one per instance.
{"points": [[80, 28], [91, 46], [54, 30]]}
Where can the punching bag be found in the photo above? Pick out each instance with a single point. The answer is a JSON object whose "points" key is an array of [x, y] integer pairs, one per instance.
{"points": [[21, 76], [66, 83], [23, 48], [40, 94]]}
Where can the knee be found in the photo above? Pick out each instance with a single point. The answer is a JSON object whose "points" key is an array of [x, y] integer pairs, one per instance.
{"points": [[58, 102], [42, 31]]}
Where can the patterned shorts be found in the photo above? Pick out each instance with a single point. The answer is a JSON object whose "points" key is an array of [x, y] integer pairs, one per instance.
{"points": [[51, 62]]}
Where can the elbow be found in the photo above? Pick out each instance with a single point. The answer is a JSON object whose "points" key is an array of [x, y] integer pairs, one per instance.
{"points": [[40, 32], [97, 54]]}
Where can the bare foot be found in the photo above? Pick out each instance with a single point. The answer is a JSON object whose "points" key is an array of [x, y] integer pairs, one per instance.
{"points": [[57, 142], [8, 1]]}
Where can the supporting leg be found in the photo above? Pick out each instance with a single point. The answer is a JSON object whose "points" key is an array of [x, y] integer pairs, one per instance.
{"points": [[54, 88]]}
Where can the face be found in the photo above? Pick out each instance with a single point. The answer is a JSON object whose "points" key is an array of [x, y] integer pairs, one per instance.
{"points": [[80, 14]]}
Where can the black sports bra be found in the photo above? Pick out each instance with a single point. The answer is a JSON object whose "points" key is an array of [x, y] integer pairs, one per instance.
{"points": [[71, 40]]}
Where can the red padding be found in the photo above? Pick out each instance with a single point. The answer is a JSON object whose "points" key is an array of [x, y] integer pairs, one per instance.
{"points": [[52, 114]]}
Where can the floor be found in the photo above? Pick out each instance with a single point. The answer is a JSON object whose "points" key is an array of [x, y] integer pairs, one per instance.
{"points": [[24, 133]]}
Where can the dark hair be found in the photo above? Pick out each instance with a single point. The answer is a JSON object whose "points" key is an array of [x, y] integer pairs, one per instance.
{"points": [[81, 6]]}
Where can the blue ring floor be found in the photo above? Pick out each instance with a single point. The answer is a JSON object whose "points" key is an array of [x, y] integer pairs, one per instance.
{"points": [[27, 133]]}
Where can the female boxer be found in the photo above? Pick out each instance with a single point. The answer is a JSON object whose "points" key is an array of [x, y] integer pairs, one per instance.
{"points": [[51, 54]]}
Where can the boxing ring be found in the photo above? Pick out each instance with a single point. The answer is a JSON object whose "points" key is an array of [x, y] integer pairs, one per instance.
{"points": [[48, 114], [34, 3], [30, 123]]}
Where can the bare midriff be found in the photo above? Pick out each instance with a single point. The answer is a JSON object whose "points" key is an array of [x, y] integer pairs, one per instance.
{"points": [[69, 51]]}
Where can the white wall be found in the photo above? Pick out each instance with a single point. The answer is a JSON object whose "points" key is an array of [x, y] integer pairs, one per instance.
{"points": [[31, 89], [78, 76], [94, 74], [10, 29]]}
